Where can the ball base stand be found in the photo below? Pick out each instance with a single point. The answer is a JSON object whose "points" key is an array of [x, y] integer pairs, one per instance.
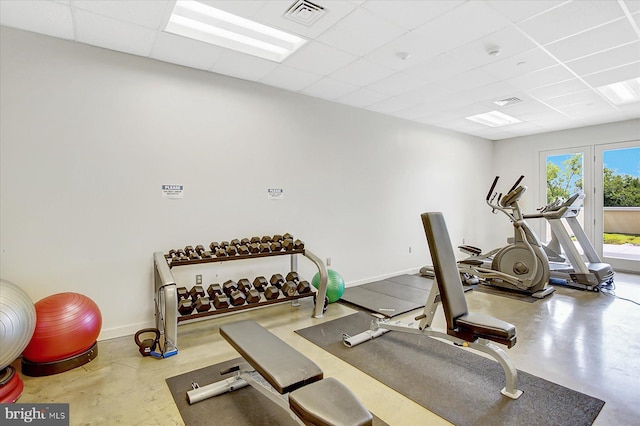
{"points": [[38, 369], [11, 385]]}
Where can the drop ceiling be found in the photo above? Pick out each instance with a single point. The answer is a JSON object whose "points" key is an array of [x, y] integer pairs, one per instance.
{"points": [[429, 61]]}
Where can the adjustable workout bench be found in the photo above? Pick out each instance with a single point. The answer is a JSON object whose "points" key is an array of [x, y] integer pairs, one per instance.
{"points": [[286, 377], [463, 327]]}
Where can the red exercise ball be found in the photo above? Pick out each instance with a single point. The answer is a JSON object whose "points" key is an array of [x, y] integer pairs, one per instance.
{"points": [[67, 324]]}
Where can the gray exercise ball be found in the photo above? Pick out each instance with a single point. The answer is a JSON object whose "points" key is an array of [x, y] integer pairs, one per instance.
{"points": [[17, 322]]}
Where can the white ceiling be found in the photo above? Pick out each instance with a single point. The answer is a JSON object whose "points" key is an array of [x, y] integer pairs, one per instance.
{"points": [[553, 54]]}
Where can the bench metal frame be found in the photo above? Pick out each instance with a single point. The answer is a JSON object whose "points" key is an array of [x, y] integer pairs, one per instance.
{"points": [[477, 332], [380, 326]]}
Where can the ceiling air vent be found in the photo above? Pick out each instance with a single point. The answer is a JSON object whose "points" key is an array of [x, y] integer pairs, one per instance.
{"points": [[508, 101], [304, 12]]}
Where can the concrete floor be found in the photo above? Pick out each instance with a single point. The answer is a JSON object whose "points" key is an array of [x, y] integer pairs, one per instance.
{"points": [[586, 341]]}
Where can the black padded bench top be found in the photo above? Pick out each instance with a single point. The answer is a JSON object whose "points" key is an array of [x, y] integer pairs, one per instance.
{"points": [[282, 366], [487, 327], [329, 402]]}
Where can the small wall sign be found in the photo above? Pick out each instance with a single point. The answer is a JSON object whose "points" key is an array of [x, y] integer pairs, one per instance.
{"points": [[275, 193], [172, 191]]}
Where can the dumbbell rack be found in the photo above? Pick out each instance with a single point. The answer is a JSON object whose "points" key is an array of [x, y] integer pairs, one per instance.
{"points": [[166, 300]]}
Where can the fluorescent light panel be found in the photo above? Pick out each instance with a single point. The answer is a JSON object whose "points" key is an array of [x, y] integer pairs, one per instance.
{"points": [[198, 21], [494, 119], [622, 92]]}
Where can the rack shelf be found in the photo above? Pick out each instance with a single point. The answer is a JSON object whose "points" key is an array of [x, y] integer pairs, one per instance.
{"points": [[166, 299]]}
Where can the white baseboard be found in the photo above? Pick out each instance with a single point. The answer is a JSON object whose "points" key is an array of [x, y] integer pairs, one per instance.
{"points": [[128, 330]]}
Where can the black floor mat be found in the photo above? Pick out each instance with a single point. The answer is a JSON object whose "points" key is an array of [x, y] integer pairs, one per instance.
{"points": [[456, 384], [244, 406]]}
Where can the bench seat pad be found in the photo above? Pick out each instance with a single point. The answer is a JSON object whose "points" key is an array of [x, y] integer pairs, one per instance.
{"points": [[329, 402], [487, 326], [283, 367]]}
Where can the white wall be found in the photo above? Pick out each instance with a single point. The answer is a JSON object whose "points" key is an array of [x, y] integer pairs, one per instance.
{"points": [[88, 137]]}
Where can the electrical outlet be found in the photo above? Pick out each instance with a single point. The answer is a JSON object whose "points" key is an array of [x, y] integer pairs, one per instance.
{"points": [[198, 279], [409, 249], [328, 261]]}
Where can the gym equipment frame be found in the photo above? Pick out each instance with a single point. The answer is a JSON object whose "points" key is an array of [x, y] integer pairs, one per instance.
{"points": [[466, 329], [573, 270], [522, 264], [166, 298]]}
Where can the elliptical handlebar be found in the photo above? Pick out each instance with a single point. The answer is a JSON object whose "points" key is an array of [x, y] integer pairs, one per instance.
{"points": [[493, 186], [497, 202], [517, 183]]}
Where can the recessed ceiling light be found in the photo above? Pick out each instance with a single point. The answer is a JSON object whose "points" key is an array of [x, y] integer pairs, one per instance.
{"points": [[622, 92], [198, 21], [494, 119]]}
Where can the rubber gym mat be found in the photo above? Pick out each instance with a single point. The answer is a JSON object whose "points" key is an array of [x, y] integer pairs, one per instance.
{"points": [[390, 297], [456, 384], [373, 301], [416, 281], [244, 406]]}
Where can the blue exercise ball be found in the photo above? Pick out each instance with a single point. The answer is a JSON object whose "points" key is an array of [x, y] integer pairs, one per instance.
{"points": [[335, 285]]}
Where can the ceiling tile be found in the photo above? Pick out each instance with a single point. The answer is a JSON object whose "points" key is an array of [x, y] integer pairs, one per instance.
{"points": [[428, 98], [361, 73], [591, 108], [570, 18], [584, 97], [632, 5], [328, 88], [183, 51], [150, 14], [392, 104], [558, 89], [463, 24], [360, 33], [541, 115], [516, 11], [613, 75], [413, 13], [289, 78], [392, 54], [397, 84], [361, 98], [44, 17], [439, 68], [466, 81], [608, 59], [509, 41], [243, 66], [520, 64], [601, 38], [493, 92], [112, 34], [544, 77], [319, 58]]}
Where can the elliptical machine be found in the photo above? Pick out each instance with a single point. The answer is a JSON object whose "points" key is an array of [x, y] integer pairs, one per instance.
{"points": [[522, 265], [569, 268]]}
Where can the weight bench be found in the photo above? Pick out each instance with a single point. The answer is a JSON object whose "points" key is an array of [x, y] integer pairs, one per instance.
{"points": [[472, 330], [286, 377]]}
